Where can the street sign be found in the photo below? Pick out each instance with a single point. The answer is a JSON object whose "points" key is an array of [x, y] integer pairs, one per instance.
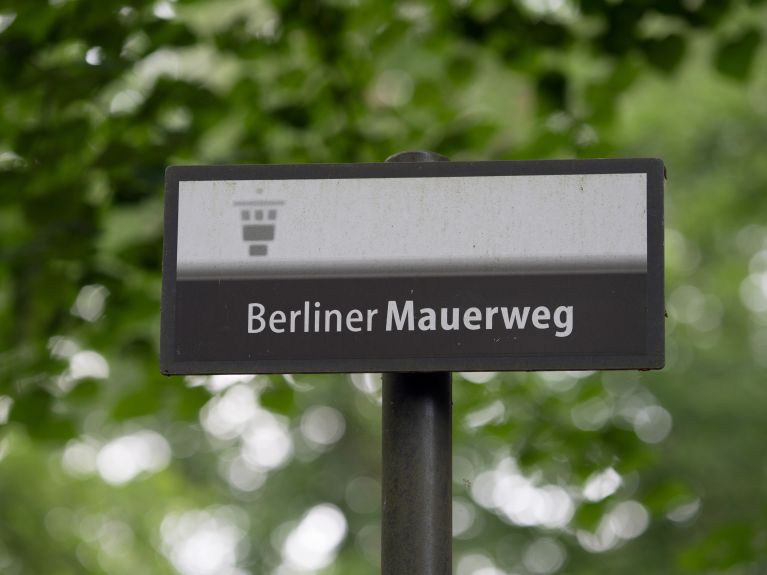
{"points": [[445, 266]]}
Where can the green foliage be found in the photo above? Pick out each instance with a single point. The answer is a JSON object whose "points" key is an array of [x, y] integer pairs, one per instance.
{"points": [[735, 56], [97, 98]]}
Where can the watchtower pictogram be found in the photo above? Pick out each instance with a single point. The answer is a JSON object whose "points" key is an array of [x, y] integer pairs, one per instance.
{"points": [[259, 223]]}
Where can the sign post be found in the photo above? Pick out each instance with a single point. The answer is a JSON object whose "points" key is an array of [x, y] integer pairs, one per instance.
{"points": [[416, 523], [415, 268]]}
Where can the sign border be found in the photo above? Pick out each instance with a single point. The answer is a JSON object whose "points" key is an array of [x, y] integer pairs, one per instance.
{"points": [[653, 359]]}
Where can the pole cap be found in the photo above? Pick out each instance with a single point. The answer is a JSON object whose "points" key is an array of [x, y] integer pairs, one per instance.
{"points": [[417, 156]]}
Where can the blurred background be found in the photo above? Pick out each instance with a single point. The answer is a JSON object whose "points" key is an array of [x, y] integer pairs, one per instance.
{"points": [[106, 467]]}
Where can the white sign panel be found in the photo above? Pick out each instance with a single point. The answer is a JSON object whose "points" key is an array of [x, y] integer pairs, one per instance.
{"points": [[516, 224]]}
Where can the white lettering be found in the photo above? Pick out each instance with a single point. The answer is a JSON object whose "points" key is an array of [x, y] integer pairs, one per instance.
{"points": [[509, 319], [566, 324], [404, 316], [332, 313], [371, 314], [447, 325], [470, 318], [428, 319], [277, 318], [294, 315], [256, 317], [491, 311], [541, 316], [392, 316], [354, 316]]}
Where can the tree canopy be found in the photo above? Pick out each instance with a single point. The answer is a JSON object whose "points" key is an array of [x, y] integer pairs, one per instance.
{"points": [[108, 467]]}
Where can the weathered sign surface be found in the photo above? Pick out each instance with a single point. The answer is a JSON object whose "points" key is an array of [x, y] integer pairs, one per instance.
{"points": [[447, 266]]}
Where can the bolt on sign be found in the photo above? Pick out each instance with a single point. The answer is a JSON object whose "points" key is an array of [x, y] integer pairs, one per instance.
{"points": [[445, 266]]}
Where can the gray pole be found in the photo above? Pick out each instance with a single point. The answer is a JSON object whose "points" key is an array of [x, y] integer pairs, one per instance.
{"points": [[416, 532]]}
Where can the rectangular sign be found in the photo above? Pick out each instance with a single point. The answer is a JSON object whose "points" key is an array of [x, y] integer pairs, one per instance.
{"points": [[445, 266]]}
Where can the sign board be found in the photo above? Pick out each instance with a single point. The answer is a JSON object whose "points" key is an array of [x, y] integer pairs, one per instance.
{"points": [[444, 266]]}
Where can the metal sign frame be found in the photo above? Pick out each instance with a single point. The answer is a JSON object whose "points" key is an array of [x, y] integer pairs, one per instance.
{"points": [[652, 358]]}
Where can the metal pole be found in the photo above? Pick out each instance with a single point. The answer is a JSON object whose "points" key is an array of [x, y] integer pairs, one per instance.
{"points": [[416, 536], [416, 532]]}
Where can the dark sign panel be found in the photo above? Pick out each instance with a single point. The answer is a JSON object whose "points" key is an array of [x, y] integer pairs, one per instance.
{"points": [[443, 266]]}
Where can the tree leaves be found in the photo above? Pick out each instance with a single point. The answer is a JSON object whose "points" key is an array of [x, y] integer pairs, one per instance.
{"points": [[666, 53], [84, 141], [735, 56]]}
